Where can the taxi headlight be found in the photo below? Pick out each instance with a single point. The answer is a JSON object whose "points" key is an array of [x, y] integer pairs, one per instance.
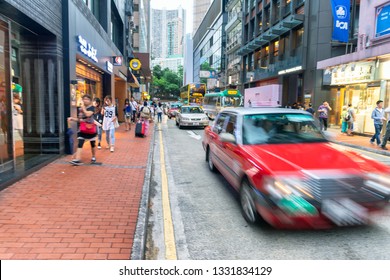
{"points": [[290, 195], [379, 183]]}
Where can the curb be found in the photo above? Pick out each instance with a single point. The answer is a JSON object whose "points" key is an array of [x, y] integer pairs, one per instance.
{"points": [[139, 242], [381, 152]]}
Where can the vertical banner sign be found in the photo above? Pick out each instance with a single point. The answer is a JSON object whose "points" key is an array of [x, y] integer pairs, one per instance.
{"points": [[340, 11]]}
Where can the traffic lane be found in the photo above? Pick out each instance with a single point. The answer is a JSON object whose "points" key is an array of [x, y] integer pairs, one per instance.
{"points": [[213, 227]]}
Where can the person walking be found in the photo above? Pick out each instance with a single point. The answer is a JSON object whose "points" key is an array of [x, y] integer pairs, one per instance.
{"points": [[87, 129], [387, 133], [145, 114], [344, 123], [127, 111], [98, 118], [109, 119], [324, 110], [310, 109], [159, 111], [134, 109], [351, 117], [378, 115]]}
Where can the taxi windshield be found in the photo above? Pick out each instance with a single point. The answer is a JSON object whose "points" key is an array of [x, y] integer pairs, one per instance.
{"points": [[280, 129]]}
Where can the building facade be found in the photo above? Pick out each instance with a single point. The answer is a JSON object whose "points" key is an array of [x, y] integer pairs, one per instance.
{"points": [[31, 80], [200, 8], [168, 29], [188, 66], [51, 54], [209, 44], [362, 77], [140, 79], [282, 43], [233, 31]]}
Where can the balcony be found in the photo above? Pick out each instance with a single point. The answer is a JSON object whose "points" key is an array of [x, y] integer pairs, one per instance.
{"points": [[230, 4], [233, 46], [233, 22], [271, 70]]}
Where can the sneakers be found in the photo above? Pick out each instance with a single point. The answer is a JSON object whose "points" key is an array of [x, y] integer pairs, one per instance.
{"points": [[372, 142], [383, 147], [99, 147], [93, 160], [112, 149], [75, 162]]}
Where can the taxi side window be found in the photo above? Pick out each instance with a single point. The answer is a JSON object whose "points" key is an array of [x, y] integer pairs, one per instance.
{"points": [[219, 123], [231, 125]]}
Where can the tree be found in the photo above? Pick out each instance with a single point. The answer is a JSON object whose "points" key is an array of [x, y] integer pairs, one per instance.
{"points": [[167, 82]]}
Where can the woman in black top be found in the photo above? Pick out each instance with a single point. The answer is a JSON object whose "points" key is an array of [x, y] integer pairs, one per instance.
{"points": [[87, 128], [98, 116]]}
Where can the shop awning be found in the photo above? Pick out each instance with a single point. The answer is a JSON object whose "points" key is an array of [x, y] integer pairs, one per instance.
{"points": [[132, 80]]}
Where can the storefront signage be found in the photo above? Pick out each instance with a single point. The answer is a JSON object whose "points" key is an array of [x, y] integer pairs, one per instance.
{"points": [[382, 21], [353, 73], [87, 49], [118, 61], [282, 72], [109, 66], [135, 64], [340, 11]]}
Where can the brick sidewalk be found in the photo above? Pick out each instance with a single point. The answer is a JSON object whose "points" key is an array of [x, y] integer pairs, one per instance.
{"points": [[77, 212], [357, 141]]}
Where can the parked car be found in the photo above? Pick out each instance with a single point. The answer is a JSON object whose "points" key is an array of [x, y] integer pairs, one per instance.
{"points": [[173, 108], [191, 116], [288, 174]]}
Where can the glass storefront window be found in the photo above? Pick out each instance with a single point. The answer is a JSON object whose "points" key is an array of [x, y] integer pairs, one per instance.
{"points": [[6, 149]]}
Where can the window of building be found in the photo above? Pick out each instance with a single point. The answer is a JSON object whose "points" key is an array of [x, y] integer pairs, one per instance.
{"points": [[135, 7], [299, 38], [276, 48]]}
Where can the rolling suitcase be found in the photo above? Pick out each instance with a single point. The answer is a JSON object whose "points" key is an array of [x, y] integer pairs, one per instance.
{"points": [[139, 129]]}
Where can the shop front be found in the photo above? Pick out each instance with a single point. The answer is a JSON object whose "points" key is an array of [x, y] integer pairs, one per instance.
{"points": [[358, 84]]}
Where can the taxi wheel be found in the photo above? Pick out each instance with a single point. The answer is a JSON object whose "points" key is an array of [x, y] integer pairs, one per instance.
{"points": [[248, 207], [180, 126], [210, 161]]}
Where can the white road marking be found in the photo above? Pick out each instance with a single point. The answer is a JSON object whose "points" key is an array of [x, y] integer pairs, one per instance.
{"points": [[194, 135]]}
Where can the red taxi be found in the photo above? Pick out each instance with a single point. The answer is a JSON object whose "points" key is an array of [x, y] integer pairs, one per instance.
{"points": [[289, 175], [173, 108]]}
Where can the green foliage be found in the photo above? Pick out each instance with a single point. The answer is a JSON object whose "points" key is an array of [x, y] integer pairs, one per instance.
{"points": [[166, 83]]}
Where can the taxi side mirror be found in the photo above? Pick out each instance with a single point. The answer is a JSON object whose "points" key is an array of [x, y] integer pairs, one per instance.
{"points": [[227, 138]]}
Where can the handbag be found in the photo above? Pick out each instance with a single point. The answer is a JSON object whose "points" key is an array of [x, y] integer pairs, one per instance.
{"points": [[87, 128], [116, 124]]}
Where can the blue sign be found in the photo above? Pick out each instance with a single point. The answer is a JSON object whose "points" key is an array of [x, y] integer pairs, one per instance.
{"points": [[341, 14], [382, 21]]}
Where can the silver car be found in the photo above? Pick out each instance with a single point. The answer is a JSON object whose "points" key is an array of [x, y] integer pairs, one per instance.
{"points": [[191, 116]]}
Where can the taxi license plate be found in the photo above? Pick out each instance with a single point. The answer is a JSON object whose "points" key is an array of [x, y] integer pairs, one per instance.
{"points": [[195, 123], [344, 212]]}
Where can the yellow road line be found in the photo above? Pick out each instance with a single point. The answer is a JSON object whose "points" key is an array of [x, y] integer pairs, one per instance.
{"points": [[169, 236]]}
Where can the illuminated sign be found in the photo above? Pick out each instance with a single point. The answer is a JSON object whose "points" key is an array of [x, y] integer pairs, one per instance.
{"points": [[135, 64], [87, 49], [232, 92], [298, 68], [118, 61], [353, 73], [109, 66]]}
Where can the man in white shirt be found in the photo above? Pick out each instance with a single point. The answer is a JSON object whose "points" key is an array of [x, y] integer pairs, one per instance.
{"points": [[134, 108]]}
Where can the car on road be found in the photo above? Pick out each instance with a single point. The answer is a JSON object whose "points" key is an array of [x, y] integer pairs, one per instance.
{"points": [[191, 116], [289, 175], [172, 109]]}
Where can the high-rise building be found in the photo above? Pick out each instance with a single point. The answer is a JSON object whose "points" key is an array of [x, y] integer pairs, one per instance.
{"points": [[168, 29], [188, 75], [200, 9]]}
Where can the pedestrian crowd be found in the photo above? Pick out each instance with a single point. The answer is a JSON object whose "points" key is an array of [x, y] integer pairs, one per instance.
{"points": [[95, 117]]}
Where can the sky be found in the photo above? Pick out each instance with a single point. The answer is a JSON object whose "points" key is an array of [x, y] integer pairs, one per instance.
{"points": [[173, 4]]}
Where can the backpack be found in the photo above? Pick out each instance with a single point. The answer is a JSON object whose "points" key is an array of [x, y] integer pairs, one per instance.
{"points": [[145, 112], [347, 117]]}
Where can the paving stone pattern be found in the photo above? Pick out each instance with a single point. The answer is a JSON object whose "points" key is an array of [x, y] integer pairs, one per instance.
{"points": [[77, 212]]}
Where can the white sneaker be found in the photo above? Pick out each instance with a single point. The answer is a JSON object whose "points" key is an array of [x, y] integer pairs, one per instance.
{"points": [[112, 149]]}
